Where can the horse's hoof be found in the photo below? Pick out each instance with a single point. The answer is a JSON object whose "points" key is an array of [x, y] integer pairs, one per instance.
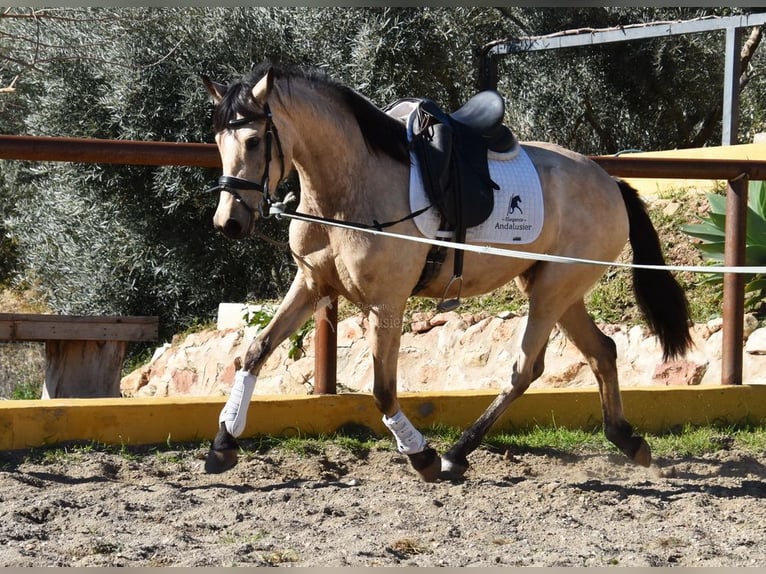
{"points": [[643, 455], [427, 463], [452, 470], [218, 461]]}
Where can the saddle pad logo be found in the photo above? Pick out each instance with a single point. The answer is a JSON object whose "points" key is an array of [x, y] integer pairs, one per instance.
{"points": [[518, 214]]}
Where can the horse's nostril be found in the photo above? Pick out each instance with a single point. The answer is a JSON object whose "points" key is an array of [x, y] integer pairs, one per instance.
{"points": [[232, 228]]}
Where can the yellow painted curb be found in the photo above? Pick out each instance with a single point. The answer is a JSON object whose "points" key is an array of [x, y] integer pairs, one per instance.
{"points": [[34, 423], [655, 186]]}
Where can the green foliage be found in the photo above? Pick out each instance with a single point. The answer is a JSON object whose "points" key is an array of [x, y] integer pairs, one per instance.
{"points": [[130, 239], [712, 233], [27, 390], [260, 316], [652, 94]]}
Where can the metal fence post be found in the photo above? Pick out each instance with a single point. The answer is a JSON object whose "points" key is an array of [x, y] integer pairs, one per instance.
{"points": [[326, 348], [734, 283]]}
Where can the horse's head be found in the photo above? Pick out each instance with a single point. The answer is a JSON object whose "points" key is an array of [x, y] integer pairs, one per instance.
{"points": [[251, 153]]}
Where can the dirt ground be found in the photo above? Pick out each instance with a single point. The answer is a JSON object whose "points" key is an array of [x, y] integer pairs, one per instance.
{"points": [[107, 507]]}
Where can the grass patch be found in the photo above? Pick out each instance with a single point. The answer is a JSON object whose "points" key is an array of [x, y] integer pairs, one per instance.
{"points": [[22, 370], [683, 442], [357, 440], [572, 441]]}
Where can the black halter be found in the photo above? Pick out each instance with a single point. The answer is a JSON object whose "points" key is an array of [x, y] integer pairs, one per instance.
{"points": [[232, 184]]}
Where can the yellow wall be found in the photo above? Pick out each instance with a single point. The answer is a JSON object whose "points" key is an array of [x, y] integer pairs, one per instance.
{"points": [[25, 424]]}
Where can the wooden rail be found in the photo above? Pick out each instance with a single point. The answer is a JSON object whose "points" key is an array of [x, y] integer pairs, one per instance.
{"points": [[737, 172], [83, 354]]}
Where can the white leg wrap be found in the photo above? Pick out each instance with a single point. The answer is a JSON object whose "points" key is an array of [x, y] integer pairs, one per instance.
{"points": [[408, 438], [234, 413]]}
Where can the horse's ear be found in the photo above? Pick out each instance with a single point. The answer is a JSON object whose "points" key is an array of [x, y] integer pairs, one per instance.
{"points": [[216, 90], [264, 86]]}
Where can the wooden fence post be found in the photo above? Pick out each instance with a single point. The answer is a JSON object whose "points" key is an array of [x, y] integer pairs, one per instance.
{"points": [[83, 369]]}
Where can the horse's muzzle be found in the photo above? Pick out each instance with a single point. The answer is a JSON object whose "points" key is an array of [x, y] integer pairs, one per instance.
{"points": [[232, 229]]}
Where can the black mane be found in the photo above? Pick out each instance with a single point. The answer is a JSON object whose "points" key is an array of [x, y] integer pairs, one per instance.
{"points": [[382, 133]]}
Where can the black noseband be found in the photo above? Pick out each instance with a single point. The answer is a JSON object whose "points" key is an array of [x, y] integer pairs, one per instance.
{"points": [[231, 184]]}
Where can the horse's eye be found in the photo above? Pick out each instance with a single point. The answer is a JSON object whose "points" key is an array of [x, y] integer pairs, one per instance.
{"points": [[251, 143]]}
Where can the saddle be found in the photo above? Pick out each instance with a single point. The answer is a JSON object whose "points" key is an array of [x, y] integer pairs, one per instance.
{"points": [[452, 152]]}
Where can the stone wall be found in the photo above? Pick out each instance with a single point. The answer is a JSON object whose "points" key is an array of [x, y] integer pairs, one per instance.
{"points": [[448, 351]]}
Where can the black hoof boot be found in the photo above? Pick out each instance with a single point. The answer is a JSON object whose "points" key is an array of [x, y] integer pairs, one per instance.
{"points": [[223, 454], [427, 463]]}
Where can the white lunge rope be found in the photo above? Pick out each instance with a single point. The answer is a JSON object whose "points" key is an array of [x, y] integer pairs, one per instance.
{"points": [[409, 440], [489, 250], [234, 413]]}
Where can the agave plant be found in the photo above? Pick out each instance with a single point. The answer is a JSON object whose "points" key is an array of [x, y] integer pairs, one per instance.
{"points": [[712, 234]]}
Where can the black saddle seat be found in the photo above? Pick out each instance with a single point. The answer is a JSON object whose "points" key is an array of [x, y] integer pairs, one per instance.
{"points": [[483, 114]]}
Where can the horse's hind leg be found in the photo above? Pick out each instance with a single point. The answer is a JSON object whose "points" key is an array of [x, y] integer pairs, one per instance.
{"points": [[601, 354], [293, 312], [526, 368]]}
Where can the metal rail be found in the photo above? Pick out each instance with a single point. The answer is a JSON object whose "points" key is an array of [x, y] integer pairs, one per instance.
{"points": [[737, 172], [80, 150]]}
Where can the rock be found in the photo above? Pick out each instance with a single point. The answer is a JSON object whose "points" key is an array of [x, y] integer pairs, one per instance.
{"points": [[671, 208], [132, 382], [350, 330], [421, 326], [681, 372], [750, 324], [715, 325], [443, 318], [420, 317], [476, 358], [756, 342]]}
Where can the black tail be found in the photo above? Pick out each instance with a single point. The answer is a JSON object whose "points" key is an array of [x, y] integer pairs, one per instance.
{"points": [[659, 295]]}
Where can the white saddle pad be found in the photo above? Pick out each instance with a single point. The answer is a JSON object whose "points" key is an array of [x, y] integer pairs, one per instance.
{"points": [[518, 213]]}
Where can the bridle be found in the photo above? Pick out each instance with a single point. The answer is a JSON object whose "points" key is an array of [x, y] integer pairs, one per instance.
{"points": [[233, 185]]}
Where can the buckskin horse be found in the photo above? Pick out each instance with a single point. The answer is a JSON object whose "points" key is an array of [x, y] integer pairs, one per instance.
{"points": [[353, 163]]}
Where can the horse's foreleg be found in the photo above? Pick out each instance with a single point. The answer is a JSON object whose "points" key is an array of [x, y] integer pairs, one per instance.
{"points": [[601, 354], [385, 336], [526, 368], [294, 311]]}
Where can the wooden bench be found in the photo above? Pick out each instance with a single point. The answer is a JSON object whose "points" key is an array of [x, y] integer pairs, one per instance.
{"points": [[84, 354]]}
